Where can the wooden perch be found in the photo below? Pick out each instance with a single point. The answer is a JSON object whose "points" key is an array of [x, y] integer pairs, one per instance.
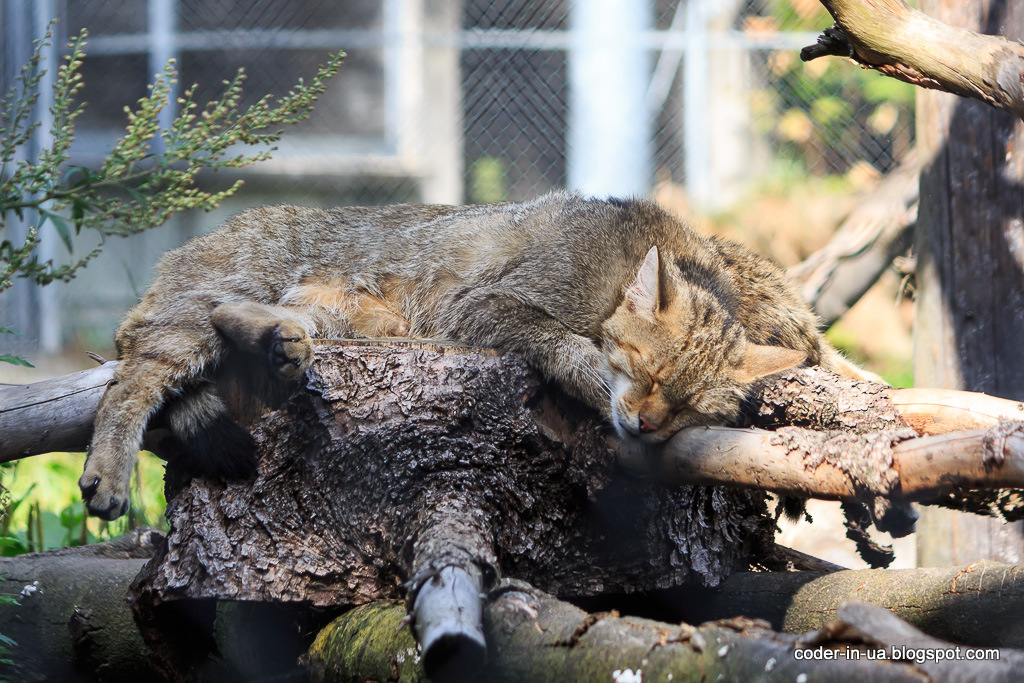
{"points": [[798, 462], [71, 615], [862, 444], [55, 415], [891, 37], [806, 398]]}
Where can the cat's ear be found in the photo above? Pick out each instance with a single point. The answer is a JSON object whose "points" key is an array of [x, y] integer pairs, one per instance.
{"points": [[759, 361], [642, 295]]}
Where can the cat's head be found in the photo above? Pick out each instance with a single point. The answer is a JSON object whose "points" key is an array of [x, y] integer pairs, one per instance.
{"points": [[676, 358]]}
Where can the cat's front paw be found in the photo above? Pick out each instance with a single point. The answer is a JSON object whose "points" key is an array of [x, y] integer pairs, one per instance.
{"points": [[105, 488], [290, 350]]}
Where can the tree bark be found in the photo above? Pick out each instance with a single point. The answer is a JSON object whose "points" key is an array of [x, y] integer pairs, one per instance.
{"points": [[534, 637], [969, 318], [72, 622], [397, 463], [893, 38]]}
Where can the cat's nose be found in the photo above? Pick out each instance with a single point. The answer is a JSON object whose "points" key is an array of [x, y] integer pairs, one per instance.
{"points": [[647, 424]]}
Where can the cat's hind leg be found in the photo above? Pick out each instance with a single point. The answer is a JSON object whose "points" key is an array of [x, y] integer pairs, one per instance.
{"points": [[279, 334], [139, 389], [341, 310]]}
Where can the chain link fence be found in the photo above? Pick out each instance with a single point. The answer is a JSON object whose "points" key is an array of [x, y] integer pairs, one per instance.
{"points": [[467, 101]]}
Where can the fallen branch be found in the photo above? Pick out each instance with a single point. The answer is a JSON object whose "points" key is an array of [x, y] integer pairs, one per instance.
{"points": [[975, 605], [898, 41], [55, 415], [72, 622], [879, 229], [448, 581], [534, 637], [799, 462]]}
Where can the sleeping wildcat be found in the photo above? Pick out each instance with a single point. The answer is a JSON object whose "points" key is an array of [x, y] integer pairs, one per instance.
{"points": [[627, 308]]}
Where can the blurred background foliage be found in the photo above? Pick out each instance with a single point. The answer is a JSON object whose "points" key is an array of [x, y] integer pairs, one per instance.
{"points": [[42, 508]]}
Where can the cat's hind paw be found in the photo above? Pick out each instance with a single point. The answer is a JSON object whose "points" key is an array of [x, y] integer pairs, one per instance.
{"points": [[290, 350]]}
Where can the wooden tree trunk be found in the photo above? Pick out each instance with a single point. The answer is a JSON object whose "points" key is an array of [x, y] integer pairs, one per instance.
{"points": [[394, 465], [970, 309]]}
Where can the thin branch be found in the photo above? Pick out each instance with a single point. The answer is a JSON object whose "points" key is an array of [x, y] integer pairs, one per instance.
{"points": [[806, 463]]}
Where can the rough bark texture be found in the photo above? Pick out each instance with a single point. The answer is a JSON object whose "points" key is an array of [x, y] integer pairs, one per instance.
{"points": [[969, 319], [357, 471], [890, 36], [819, 400], [534, 637]]}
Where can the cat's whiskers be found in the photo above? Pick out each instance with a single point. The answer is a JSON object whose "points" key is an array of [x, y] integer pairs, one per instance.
{"points": [[580, 361]]}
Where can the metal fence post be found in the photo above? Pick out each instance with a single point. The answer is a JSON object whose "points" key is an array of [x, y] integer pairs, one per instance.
{"points": [[696, 90], [609, 134]]}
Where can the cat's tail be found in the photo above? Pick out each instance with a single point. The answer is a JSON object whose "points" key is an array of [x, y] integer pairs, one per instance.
{"points": [[209, 442]]}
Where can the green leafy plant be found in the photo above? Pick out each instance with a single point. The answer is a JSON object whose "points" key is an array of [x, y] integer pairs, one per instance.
{"points": [[43, 509], [140, 185], [9, 358]]}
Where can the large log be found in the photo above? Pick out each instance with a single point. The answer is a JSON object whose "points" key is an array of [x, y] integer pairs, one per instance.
{"points": [[534, 637], [397, 463], [979, 604], [71, 620]]}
